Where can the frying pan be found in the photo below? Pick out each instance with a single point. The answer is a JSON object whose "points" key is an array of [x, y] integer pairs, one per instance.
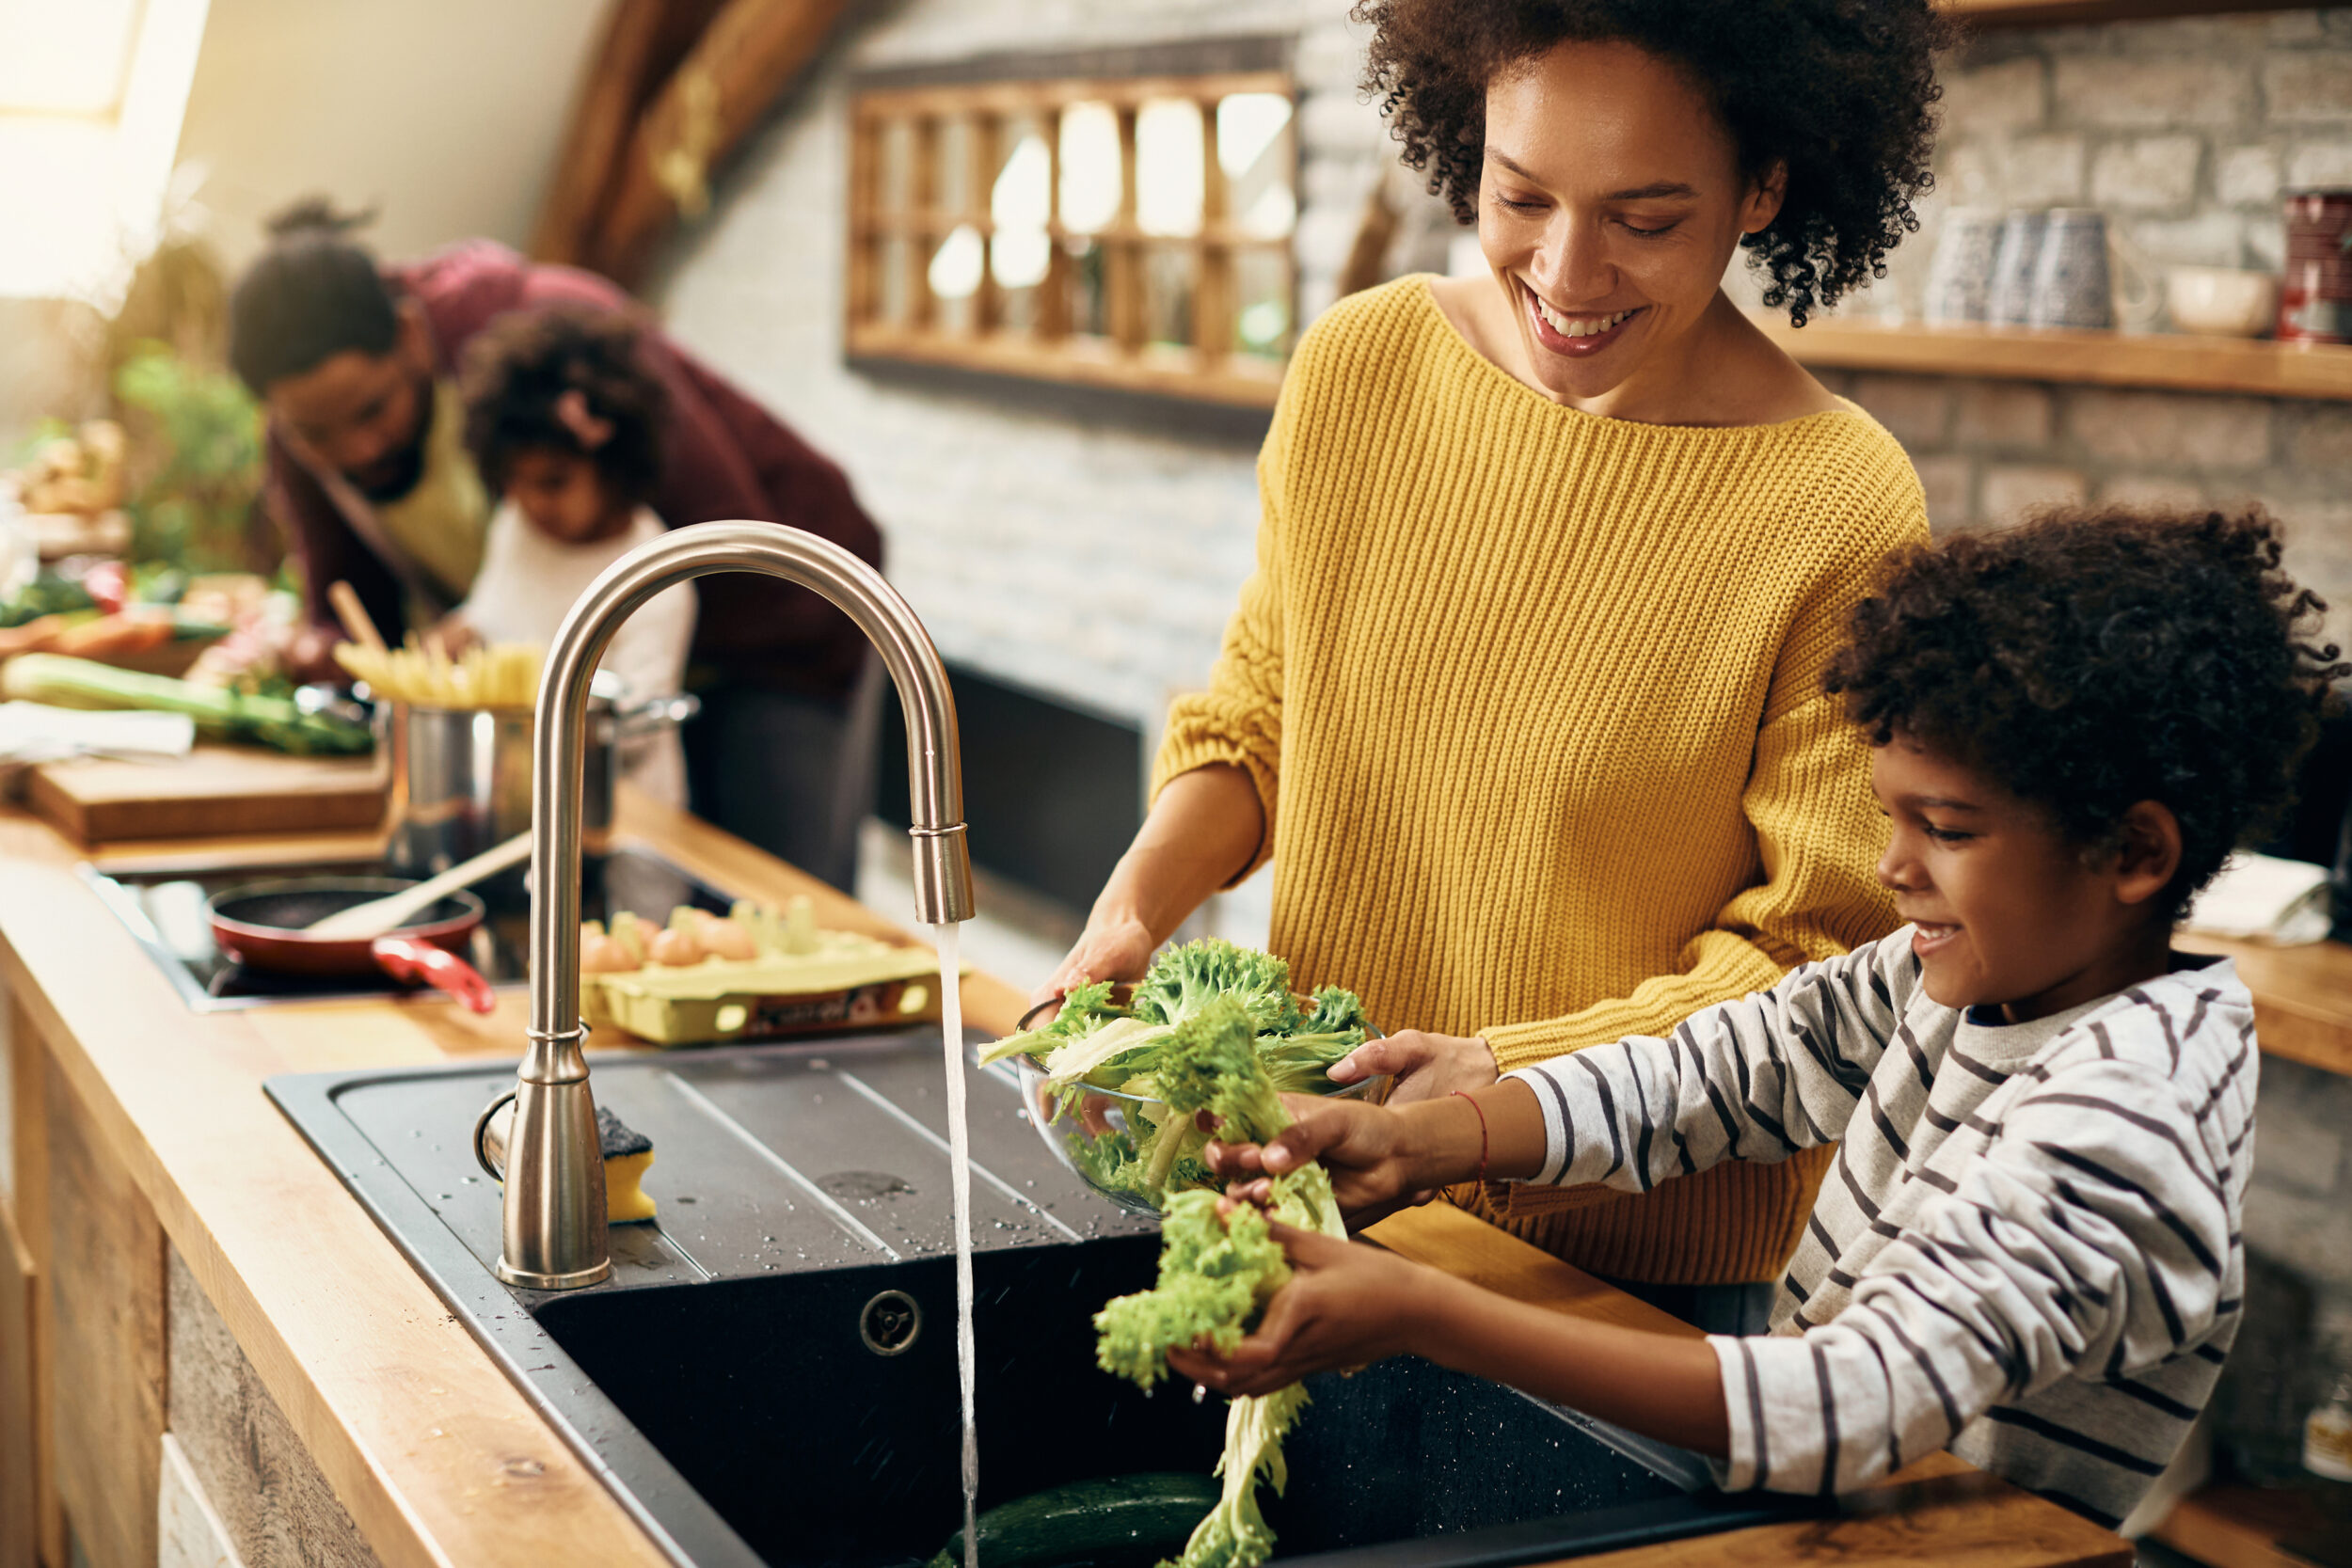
{"points": [[261, 924]]}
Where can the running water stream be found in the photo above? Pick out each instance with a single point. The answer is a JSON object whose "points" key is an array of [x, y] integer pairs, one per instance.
{"points": [[959, 1186]]}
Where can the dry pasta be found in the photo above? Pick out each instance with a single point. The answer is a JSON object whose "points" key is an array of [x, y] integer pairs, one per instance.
{"points": [[500, 675]]}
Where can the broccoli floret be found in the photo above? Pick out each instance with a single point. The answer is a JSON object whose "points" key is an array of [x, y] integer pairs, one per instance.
{"points": [[1335, 1012], [1211, 1063], [1214, 1277], [1182, 980]]}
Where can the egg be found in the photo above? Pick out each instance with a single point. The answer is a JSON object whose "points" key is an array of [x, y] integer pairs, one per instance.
{"points": [[724, 939], [604, 955], [676, 949]]}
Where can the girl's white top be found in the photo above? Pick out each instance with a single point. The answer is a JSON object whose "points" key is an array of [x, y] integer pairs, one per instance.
{"points": [[529, 581]]}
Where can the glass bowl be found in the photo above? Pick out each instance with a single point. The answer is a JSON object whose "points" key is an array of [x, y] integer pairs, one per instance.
{"points": [[1100, 1131]]}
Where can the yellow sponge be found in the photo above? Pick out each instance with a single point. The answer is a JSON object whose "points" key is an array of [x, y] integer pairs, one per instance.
{"points": [[627, 1155]]}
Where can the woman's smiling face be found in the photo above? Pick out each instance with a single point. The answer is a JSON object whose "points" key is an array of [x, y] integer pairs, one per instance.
{"points": [[1611, 203]]}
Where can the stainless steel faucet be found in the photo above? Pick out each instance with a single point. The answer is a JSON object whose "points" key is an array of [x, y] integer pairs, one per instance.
{"points": [[553, 1232]]}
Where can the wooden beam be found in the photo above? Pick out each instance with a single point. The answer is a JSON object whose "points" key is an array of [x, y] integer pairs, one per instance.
{"points": [[642, 44], [752, 51]]}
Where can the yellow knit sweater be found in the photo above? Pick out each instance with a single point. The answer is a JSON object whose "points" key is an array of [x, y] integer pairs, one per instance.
{"points": [[1533, 700]]}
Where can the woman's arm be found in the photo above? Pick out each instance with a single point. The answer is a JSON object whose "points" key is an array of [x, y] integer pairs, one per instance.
{"points": [[1203, 828]]}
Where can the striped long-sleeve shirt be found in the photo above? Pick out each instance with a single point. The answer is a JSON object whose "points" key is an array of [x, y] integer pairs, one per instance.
{"points": [[2028, 1248]]}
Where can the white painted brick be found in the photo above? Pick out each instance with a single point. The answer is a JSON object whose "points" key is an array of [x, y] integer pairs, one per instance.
{"points": [[1948, 479], [2162, 92], [2011, 490], [2295, 28], [2003, 414], [2011, 96], [2320, 165], [2170, 430], [2322, 439], [1916, 410], [2153, 495], [2309, 87], [2043, 171], [2216, 238], [2147, 172], [2246, 174]]}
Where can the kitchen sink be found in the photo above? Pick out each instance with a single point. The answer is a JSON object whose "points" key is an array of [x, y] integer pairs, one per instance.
{"points": [[769, 1376]]}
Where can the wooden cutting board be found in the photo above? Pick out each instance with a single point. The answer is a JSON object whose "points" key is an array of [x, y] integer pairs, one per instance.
{"points": [[212, 790]]}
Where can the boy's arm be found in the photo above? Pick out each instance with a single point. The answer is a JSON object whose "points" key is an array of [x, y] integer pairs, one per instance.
{"points": [[1755, 1079], [2094, 1232]]}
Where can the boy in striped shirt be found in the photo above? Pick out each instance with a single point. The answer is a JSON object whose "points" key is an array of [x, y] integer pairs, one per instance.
{"points": [[2028, 1246]]}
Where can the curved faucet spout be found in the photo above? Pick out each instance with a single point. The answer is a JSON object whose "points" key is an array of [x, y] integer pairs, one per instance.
{"points": [[554, 1223]]}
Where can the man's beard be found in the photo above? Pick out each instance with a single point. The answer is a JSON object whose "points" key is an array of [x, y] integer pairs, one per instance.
{"points": [[396, 473]]}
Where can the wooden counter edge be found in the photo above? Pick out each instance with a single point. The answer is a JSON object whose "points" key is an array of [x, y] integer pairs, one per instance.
{"points": [[354, 1425]]}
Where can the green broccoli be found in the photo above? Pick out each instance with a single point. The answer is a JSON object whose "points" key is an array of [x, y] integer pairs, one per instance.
{"points": [[1215, 1278], [1210, 1062], [1335, 1011], [1182, 980]]}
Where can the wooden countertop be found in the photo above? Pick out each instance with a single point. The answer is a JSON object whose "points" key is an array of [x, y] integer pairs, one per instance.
{"points": [[436, 1455]]}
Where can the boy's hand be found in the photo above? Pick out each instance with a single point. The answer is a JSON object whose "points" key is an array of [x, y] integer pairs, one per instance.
{"points": [[1348, 1304], [1364, 1148], [1426, 1066]]}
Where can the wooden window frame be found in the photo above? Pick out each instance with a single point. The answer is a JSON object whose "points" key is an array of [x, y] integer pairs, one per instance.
{"points": [[989, 94]]}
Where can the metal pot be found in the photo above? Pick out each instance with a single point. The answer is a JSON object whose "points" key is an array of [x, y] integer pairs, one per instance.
{"points": [[461, 777]]}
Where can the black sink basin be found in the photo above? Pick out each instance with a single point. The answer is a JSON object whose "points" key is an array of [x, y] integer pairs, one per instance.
{"points": [[770, 1376]]}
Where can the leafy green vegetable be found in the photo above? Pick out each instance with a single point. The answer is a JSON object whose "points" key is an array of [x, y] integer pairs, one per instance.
{"points": [[277, 722], [1215, 1278], [1218, 1272], [1182, 980]]}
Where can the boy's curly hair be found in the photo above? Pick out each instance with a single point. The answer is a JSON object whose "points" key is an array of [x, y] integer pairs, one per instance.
{"points": [[520, 366], [2093, 658], [1843, 91]]}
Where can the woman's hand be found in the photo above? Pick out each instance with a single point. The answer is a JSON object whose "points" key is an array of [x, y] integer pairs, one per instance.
{"points": [[1426, 1066], [1110, 948], [1365, 1148], [1347, 1305]]}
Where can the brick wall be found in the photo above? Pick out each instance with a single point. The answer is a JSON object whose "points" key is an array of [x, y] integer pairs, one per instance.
{"points": [[2184, 133]]}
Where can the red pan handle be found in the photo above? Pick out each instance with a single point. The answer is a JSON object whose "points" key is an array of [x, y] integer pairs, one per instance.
{"points": [[407, 959]]}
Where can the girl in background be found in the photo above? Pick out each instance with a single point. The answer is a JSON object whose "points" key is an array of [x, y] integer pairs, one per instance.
{"points": [[563, 420]]}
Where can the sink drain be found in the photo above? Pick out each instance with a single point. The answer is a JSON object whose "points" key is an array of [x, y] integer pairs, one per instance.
{"points": [[890, 1323]]}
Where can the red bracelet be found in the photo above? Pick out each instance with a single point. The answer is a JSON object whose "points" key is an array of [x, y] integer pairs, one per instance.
{"points": [[1482, 1135]]}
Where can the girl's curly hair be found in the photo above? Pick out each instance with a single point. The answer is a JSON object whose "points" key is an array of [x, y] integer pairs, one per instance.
{"points": [[1840, 91], [2091, 660], [519, 372]]}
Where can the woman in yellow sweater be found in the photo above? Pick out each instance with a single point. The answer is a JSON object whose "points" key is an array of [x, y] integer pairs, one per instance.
{"points": [[1523, 698]]}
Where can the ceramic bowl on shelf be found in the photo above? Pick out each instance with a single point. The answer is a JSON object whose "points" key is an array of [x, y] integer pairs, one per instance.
{"points": [[2222, 302], [1102, 1130]]}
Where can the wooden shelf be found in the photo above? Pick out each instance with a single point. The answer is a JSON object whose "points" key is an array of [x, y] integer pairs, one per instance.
{"points": [[2057, 13], [2166, 360]]}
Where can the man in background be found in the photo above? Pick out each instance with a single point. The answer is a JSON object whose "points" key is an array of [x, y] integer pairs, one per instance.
{"points": [[355, 364]]}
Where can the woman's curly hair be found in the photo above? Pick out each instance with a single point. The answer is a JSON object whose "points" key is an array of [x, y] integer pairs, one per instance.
{"points": [[519, 372], [2091, 660], [1840, 91]]}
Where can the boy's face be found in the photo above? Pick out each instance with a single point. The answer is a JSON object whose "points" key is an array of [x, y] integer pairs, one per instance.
{"points": [[2008, 912], [561, 495]]}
